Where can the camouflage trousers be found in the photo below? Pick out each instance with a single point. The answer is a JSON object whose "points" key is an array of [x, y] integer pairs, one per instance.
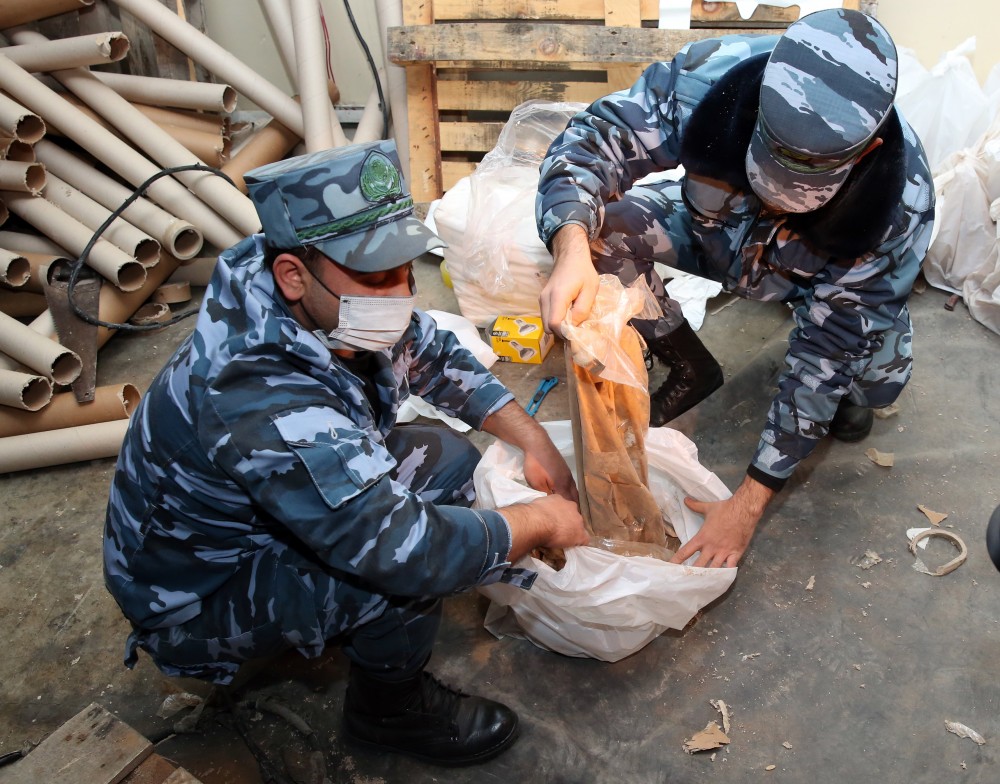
{"points": [[283, 597], [652, 224]]}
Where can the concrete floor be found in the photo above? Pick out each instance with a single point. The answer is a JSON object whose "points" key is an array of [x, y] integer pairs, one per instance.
{"points": [[851, 681]]}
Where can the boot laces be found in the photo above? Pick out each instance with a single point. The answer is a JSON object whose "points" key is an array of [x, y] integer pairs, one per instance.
{"points": [[435, 698]]}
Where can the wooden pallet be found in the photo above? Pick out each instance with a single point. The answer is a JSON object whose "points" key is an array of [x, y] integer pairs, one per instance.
{"points": [[94, 748], [470, 62]]}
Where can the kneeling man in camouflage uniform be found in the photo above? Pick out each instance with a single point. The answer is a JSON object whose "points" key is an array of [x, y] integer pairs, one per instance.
{"points": [[265, 498], [802, 184]]}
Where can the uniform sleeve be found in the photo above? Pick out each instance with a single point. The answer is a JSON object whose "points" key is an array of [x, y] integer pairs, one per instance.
{"points": [[838, 328], [605, 148], [315, 474], [447, 375]]}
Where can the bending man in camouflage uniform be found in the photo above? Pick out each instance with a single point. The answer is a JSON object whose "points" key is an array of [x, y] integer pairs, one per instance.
{"points": [[264, 496], [802, 184]]}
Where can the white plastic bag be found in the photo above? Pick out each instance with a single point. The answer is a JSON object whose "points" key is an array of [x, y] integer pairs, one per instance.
{"points": [[603, 605], [948, 110], [496, 261]]}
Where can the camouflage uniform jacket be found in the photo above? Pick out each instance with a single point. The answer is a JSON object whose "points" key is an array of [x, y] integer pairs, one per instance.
{"points": [[848, 286], [254, 432]]}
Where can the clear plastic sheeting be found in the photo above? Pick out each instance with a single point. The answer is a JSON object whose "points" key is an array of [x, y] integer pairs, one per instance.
{"points": [[497, 263], [597, 343]]}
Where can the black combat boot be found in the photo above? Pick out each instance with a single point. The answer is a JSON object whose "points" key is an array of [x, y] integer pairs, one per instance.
{"points": [[426, 719], [851, 422], [694, 375], [993, 537]]}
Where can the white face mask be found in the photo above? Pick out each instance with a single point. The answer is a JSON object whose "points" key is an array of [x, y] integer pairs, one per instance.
{"points": [[369, 323]]}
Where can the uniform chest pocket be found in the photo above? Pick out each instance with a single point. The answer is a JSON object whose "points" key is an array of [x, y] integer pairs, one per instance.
{"points": [[340, 463]]}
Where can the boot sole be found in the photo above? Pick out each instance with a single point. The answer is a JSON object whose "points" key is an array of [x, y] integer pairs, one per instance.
{"points": [[450, 762]]}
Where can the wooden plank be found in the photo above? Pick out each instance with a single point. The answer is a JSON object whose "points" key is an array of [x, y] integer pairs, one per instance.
{"points": [[422, 114], [536, 46], [181, 776], [622, 13], [153, 770], [503, 96], [469, 136], [453, 171], [704, 13], [91, 748]]}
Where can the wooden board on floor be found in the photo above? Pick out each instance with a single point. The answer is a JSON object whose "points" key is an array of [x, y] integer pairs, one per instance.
{"points": [[91, 748]]}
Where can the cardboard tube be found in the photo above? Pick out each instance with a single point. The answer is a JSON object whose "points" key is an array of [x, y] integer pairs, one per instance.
{"points": [[212, 148], [29, 243], [271, 143], [152, 90], [80, 51], [279, 18], [178, 237], [310, 65], [12, 149], [15, 269], [21, 303], [204, 122], [370, 125], [38, 270], [157, 143], [197, 272], [19, 124], [120, 233], [13, 12], [172, 293], [116, 401], [22, 177], [103, 145], [226, 66], [58, 447], [113, 263], [152, 313], [37, 352], [24, 391], [390, 14]]}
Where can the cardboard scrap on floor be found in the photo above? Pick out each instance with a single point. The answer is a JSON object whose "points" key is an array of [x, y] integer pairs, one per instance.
{"points": [[884, 459], [936, 518], [713, 736]]}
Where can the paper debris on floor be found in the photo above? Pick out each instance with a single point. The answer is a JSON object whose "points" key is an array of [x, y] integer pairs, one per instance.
{"points": [[812, 582], [964, 732], [936, 518], [722, 708], [869, 559], [884, 459], [712, 737]]}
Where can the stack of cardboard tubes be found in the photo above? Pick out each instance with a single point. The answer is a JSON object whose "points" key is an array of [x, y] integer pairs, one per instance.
{"points": [[64, 127]]}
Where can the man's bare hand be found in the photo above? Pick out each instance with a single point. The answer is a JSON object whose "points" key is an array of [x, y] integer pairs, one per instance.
{"points": [[552, 521], [572, 286], [729, 525]]}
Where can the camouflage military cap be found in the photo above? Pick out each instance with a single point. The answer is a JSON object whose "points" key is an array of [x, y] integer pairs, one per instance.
{"points": [[828, 86], [351, 203]]}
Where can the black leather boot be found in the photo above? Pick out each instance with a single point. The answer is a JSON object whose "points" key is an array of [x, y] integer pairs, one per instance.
{"points": [[694, 375], [426, 719], [993, 537], [851, 422]]}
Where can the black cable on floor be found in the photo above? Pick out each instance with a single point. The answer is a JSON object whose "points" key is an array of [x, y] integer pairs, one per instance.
{"points": [[77, 265]]}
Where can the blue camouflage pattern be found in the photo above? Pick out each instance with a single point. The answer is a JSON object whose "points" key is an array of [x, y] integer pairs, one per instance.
{"points": [[255, 443], [828, 87], [350, 202], [852, 332]]}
